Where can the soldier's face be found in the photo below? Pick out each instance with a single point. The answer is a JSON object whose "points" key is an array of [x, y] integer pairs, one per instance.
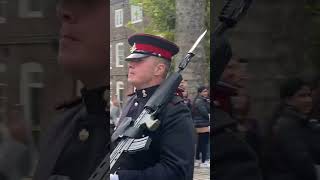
{"points": [[142, 72], [232, 73], [84, 35]]}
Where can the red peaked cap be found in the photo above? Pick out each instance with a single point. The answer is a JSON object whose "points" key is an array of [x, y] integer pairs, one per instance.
{"points": [[144, 45]]}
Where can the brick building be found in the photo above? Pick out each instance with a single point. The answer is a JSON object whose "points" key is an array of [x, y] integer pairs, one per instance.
{"points": [[30, 79], [121, 13]]}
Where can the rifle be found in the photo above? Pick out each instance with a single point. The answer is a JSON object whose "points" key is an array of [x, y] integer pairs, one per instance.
{"points": [[131, 130], [221, 52]]}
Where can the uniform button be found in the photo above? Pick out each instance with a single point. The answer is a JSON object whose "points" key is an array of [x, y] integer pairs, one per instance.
{"points": [[144, 93], [136, 104], [83, 135]]}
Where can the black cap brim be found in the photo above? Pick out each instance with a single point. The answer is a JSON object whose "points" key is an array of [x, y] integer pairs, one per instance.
{"points": [[136, 56]]}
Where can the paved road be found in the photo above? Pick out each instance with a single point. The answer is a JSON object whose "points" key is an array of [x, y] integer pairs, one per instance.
{"points": [[201, 173]]}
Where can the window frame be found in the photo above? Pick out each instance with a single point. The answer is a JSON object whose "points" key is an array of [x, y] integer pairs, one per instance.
{"points": [[25, 12], [134, 9], [118, 62], [118, 13]]}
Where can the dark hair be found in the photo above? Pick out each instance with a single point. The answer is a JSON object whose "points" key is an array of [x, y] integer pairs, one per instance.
{"points": [[201, 88], [291, 86]]}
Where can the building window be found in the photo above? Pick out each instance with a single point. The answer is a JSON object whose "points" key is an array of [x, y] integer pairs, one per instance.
{"points": [[118, 17], [136, 14], [30, 8], [3, 11], [31, 95], [119, 55], [120, 92], [110, 57]]}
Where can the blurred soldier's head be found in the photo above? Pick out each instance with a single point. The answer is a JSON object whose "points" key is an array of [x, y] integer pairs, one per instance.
{"points": [[84, 35], [232, 72], [150, 60]]}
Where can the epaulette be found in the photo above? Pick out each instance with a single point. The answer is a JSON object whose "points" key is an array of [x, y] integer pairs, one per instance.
{"points": [[69, 104]]}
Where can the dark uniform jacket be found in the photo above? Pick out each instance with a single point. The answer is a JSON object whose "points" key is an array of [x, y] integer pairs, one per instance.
{"points": [[171, 152], [233, 157], [295, 149], [200, 112], [77, 142]]}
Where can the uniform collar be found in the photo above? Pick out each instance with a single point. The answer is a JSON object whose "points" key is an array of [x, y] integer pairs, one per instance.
{"points": [[94, 99], [292, 111], [146, 92]]}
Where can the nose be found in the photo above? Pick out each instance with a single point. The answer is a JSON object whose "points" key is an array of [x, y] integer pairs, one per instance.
{"points": [[66, 13]]}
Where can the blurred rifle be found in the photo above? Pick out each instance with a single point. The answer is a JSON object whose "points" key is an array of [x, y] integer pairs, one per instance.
{"points": [[221, 52]]}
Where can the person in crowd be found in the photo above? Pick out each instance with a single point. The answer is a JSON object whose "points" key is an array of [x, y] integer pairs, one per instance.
{"points": [[15, 146], [294, 149], [114, 111], [233, 157], [200, 115], [246, 125], [185, 94]]}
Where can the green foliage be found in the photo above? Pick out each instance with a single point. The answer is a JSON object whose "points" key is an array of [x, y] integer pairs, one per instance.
{"points": [[161, 18], [161, 14]]}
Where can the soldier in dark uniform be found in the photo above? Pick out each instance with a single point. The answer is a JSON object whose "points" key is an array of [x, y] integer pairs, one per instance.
{"points": [[171, 153], [233, 157], [75, 144]]}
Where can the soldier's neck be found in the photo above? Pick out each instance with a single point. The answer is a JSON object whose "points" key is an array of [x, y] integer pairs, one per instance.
{"points": [[147, 85]]}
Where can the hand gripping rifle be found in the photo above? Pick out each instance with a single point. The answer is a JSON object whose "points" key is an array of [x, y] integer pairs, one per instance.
{"points": [[130, 137]]}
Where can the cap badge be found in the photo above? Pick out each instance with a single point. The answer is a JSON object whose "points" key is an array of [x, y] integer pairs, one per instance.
{"points": [[133, 48]]}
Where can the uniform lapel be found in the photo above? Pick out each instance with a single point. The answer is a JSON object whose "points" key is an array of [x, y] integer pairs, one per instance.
{"points": [[56, 142]]}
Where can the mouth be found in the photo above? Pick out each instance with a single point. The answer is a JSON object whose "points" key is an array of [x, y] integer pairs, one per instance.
{"points": [[69, 37]]}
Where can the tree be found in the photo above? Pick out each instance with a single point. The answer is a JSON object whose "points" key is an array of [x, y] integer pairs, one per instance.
{"points": [[190, 23], [181, 21], [161, 16]]}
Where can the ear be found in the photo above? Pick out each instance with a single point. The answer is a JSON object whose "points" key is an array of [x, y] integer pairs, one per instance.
{"points": [[159, 69]]}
